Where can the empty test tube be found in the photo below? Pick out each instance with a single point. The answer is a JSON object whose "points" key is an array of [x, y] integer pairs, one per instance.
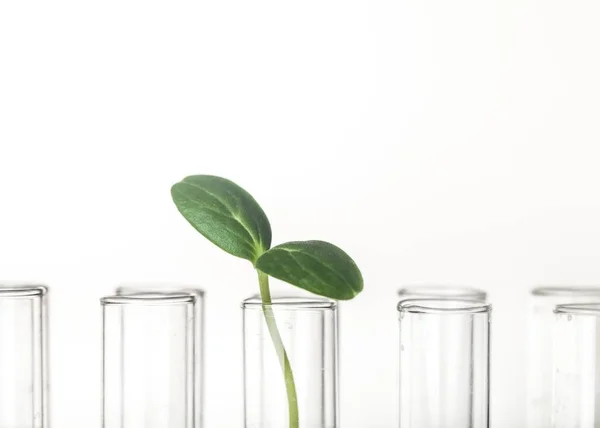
{"points": [[541, 325], [148, 361], [23, 382], [576, 366], [141, 288], [444, 363]]}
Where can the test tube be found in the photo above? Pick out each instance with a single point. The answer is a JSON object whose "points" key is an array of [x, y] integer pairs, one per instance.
{"points": [[576, 366], [137, 288], [444, 363], [543, 301], [307, 328], [23, 357], [148, 360]]}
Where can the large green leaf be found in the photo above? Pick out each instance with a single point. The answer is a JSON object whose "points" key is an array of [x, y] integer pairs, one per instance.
{"points": [[316, 266], [224, 213]]}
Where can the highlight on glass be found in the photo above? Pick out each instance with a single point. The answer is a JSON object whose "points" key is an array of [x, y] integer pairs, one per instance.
{"points": [[541, 324], [148, 360], [308, 330], [444, 363], [141, 288], [431, 291], [576, 366], [23, 357]]}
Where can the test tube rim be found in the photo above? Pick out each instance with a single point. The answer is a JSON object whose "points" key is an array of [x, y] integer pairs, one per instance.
{"points": [[130, 288], [444, 291], [22, 290], [588, 309], [434, 306], [145, 299], [291, 303], [565, 290]]}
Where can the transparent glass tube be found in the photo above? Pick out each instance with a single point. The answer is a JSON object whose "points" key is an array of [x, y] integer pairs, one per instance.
{"points": [[308, 328], [444, 363], [430, 291], [543, 301], [576, 367], [23, 383], [148, 364], [137, 288]]}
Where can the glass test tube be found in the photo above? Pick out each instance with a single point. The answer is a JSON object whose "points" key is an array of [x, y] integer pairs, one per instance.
{"points": [[137, 288], [428, 291], [308, 329], [444, 363], [543, 301], [576, 367], [148, 361], [23, 357]]}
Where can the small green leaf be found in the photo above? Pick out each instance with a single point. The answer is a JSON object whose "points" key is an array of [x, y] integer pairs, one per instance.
{"points": [[316, 266], [225, 214]]}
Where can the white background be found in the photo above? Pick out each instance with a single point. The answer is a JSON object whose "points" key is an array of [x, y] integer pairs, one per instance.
{"points": [[435, 141]]}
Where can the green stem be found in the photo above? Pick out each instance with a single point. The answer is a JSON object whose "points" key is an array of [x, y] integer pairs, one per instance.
{"points": [[290, 386]]}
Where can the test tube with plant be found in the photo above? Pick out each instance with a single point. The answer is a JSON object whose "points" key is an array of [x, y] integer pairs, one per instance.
{"points": [[230, 218]]}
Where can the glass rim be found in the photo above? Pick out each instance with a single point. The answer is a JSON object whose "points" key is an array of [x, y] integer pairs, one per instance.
{"points": [[131, 288], [445, 291], [589, 308], [443, 306], [565, 290], [22, 290], [290, 303], [146, 299]]}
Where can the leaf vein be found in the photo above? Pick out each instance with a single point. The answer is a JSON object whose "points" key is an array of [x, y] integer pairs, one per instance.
{"points": [[232, 213], [222, 214], [307, 272], [327, 266]]}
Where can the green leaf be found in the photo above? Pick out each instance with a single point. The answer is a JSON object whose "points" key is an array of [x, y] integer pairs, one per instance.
{"points": [[316, 266], [225, 214]]}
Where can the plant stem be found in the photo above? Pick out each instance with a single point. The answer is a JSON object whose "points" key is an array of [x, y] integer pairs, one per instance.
{"points": [[290, 385]]}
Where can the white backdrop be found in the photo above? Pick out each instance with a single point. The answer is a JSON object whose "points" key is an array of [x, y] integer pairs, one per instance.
{"points": [[435, 141]]}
